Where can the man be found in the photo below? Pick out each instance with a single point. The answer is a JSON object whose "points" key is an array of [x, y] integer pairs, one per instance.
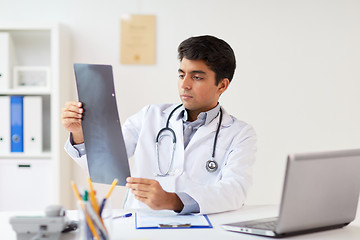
{"points": [[185, 179]]}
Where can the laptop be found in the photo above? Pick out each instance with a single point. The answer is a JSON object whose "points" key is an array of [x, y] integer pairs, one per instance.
{"points": [[105, 147], [320, 192]]}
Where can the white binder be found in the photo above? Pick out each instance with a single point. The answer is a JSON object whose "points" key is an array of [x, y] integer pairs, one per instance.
{"points": [[6, 59], [32, 124], [5, 125]]}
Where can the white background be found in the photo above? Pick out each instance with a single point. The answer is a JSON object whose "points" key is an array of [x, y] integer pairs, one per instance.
{"points": [[298, 66]]}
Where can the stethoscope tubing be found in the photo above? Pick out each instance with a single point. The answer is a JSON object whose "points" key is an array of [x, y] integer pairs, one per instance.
{"points": [[216, 134], [211, 165]]}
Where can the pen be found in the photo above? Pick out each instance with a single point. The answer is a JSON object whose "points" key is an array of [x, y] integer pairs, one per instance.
{"points": [[108, 195], [85, 197], [89, 233], [123, 216]]}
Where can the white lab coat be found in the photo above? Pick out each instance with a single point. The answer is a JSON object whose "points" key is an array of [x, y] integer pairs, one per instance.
{"points": [[219, 191]]}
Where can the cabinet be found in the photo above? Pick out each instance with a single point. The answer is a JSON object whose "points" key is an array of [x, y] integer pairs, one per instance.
{"points": [[35, 61]]}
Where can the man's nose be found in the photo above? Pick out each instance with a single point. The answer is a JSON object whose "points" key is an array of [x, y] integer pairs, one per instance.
{"points": [[186, 82]]}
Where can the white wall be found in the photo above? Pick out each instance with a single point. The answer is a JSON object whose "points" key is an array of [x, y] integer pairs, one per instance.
{"points": [[297, 80]]}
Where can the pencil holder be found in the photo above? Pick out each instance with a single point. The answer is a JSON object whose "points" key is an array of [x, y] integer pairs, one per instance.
{"points": [[95, 215], [95, 224]]}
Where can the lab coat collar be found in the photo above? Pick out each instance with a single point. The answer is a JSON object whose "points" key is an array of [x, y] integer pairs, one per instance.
{"points": [[171, 107], [211, 128], [204, 117], [177, 125], [226, 121]]}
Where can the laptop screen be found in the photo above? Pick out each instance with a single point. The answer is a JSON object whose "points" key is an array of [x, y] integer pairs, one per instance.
{"points": [[320, 189]]}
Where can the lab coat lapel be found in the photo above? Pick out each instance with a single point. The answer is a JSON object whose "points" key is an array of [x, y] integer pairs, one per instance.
{"points": [[202, 132], [209, 129]]}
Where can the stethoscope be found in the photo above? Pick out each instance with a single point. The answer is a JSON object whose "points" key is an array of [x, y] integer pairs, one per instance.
{"points": [[211, 165]]}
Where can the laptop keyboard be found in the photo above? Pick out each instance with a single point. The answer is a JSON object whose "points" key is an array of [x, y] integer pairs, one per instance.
{"points": [[270, 225]]}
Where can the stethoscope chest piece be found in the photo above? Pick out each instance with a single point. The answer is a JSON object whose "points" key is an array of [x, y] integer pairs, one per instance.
{"points": [[211, 165]]}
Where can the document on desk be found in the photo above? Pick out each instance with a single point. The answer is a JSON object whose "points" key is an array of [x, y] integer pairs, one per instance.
{"points": [[169, 219]]}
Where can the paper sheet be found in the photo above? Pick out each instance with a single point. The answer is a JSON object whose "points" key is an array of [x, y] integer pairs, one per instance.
{"points": [[155, 219]]}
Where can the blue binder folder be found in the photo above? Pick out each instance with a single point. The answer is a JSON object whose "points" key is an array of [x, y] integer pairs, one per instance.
{"points": [[17, 123]]}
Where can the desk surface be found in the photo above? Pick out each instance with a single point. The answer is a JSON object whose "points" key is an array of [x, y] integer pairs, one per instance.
{"points": [[124, 228]]}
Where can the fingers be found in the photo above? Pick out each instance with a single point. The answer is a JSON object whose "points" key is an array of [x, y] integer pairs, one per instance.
{"points": [[140, 180], [73, 103], [72, 110], [142, 187], [150, 192], [71, 116], [140, 184], [73, 107], [145, 193], [141, 194]]}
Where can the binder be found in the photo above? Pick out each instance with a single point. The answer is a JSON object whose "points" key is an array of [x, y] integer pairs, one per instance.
{"points": [[5, 124], [5, 60], [16, 119], [32, 106]]}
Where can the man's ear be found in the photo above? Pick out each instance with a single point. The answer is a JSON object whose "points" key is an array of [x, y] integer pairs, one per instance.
{"points": [[223, 85]]}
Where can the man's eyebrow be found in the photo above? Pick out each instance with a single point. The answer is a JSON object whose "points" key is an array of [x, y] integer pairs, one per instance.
{"points": [[198, 71], [195, 71]]}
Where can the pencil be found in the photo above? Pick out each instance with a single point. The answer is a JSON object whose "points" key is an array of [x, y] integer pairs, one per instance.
{"points": [[77, 194], [88, 219], [111, 188], [94, 203]]}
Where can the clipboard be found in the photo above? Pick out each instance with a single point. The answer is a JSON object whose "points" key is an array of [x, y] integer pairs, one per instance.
{"points": [[170, 220]]}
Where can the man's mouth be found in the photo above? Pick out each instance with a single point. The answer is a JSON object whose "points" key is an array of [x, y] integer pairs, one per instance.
{"points": [[185, 96]]}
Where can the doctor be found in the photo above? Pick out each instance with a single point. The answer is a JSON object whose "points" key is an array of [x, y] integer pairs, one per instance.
{"points": [[190, 158]]}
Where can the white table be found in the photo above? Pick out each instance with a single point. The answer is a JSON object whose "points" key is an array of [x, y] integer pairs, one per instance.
{"points": [[124, 228]]}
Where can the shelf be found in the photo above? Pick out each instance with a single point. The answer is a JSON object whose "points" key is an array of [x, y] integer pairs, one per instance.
{"points": [[26, 91], [24, 26], [32, 51], [22, 156], [35, 46]]}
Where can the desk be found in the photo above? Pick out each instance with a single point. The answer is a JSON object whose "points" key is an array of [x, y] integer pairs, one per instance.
{"points": [[124, 228]]}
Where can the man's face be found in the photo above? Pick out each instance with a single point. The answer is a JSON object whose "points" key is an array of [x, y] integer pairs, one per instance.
{"points": [[197, 88]]}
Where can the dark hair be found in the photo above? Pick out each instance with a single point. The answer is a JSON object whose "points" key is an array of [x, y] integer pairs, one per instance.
{"points": [[216, 53]]}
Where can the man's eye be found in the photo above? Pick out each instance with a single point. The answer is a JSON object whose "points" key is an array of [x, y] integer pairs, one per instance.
{"points": [[181, 76], [197, 78]]}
